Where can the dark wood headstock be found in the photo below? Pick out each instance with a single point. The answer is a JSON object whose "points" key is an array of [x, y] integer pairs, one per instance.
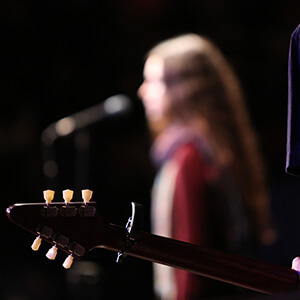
{"points": [[75, 228]]}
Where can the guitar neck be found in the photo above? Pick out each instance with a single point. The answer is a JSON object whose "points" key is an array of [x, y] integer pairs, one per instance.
{"points": [[66, 227], [234, 269]]}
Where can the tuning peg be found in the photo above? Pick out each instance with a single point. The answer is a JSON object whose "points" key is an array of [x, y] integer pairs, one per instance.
{"points": [[86, 195], [68, 195], [68, 262], [36, 244], [48, 196], [51, 254]]}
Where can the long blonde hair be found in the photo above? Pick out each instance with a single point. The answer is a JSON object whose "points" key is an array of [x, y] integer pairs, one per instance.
{"points": [[201, 85]]}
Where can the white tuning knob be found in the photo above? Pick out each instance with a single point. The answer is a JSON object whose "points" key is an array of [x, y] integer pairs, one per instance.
{"points": [[68, 262], [86, 195], [51, 254], [48, 196], [36, 244], [68, 195]]}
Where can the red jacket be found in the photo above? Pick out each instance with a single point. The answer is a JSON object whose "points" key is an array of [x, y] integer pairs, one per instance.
{"points": [[196, 213]]}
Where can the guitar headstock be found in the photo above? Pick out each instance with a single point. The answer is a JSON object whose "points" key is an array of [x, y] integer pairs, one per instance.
{"points": [[73, 227]]}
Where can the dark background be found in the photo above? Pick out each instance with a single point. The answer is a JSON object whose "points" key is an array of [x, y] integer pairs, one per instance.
{"points": [[59, 57]]}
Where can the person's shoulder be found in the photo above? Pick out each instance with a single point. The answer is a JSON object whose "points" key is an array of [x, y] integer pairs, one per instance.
{"points": [[189, 157], [188, 152]]}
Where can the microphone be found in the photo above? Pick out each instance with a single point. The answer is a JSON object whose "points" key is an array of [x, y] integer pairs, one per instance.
{"points": [[111, 107]]}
